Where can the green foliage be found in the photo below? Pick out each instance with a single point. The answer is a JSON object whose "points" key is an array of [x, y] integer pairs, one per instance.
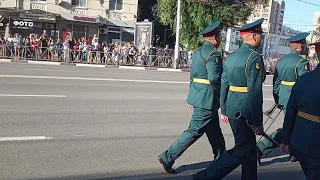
{"points": [[318, 29], [198, 15]]}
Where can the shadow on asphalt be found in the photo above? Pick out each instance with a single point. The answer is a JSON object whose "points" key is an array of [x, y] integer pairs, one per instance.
{"points": [[284, 171]]}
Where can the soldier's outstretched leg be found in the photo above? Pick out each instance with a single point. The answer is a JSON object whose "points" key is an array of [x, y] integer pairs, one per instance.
{"points": [[265, 144], [200, 119], [244, 153], [215, 137]]}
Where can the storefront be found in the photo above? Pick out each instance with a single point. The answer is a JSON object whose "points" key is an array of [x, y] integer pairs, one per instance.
{"points": [[117, 32], [78, 26], [3, 23], [28, 22], [25, 27]]}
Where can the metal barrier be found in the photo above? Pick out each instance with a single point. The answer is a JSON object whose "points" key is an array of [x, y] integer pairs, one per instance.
{"points": [[58, 54]]}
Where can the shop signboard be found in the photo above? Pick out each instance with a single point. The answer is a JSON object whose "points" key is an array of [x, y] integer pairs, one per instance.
{"points": [[143, 35]]}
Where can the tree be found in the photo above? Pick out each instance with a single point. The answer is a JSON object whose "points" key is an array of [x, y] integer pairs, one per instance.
{"points": [[198, 14]]}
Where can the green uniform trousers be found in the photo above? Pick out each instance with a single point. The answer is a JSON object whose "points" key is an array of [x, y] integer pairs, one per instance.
{"points": [[203, 121], [265, 145]]}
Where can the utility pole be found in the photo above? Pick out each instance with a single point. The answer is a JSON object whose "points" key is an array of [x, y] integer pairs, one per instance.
{"points": [[177, 47]]}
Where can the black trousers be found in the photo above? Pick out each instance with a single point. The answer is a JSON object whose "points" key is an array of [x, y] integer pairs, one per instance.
{"points": [[244, 153], [309, 163]]}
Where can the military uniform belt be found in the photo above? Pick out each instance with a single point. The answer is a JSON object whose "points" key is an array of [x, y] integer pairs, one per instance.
{"points": [[287, 83], [201, 81], [238, 89], [309, 117]]}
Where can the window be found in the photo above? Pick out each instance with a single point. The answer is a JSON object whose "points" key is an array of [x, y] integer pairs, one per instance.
{"points": [[82, 3], [116, 5]]}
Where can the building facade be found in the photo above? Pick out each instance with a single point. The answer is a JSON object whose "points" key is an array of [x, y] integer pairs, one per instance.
{"points": [[273, 45], [315, 27], [109, 20], [273, 14]]}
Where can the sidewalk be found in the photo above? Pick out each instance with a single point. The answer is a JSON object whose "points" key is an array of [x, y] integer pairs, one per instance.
{"points": [[92, 65]]}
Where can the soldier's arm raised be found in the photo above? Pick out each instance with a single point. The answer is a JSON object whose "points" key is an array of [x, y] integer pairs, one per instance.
{"points": [[276, 85], [255, 96], [290, 116], [214, 69], [303, 67]]}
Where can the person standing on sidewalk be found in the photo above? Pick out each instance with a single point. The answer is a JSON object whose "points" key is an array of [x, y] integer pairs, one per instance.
{"points": [[203, 98]]}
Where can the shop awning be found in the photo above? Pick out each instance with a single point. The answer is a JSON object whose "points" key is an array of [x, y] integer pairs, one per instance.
{"points": [[128, 24], [79, 18], [28, 14]]}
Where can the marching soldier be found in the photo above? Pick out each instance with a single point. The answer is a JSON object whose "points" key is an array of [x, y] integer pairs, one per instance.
{"points": [[287, 70], [301, 128], [203, 98], [241, 90]]}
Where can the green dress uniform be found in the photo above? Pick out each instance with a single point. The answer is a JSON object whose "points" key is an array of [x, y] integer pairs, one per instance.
{"points": [[241, 90], [287, 71], [205, 82], [301, 128]]}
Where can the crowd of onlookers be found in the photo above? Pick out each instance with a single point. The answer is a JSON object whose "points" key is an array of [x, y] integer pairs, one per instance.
{"points": [[72, 49]]}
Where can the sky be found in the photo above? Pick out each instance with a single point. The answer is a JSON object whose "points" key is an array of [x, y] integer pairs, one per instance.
{"points": [[299, 15]]}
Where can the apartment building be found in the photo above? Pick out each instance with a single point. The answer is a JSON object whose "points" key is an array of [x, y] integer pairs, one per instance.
{"points": [[273, 14], [315, 27], [111, 20]]}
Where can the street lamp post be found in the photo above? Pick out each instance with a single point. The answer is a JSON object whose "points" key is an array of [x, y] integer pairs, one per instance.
{"points": [[177, 47]]}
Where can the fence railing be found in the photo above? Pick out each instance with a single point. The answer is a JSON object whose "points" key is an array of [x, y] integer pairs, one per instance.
{"points": [[68, 55]]}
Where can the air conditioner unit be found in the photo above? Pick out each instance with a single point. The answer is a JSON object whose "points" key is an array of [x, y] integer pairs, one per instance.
{"points": [[49, 26], [103, 30]]}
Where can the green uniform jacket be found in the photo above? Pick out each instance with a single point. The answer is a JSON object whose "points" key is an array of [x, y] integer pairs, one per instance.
{"points": [[206, 64], [243, 68], [298, 131], [288, 69]]}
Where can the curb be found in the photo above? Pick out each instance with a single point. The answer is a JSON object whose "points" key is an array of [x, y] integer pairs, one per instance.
{"points": [[44, 63], [90, 65], [131, 67], [171, 70], [93, 65], [5, 60]]}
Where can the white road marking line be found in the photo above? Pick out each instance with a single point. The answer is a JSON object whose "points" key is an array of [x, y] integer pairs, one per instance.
{"points": [[25, 138], [32, 95], [97, 79]]}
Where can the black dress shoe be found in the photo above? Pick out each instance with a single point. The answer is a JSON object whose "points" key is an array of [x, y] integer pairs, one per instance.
{"points": [[168, 167]]}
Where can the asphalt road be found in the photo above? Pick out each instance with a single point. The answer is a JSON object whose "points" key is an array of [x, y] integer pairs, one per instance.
{"points": [[97, 123]]}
